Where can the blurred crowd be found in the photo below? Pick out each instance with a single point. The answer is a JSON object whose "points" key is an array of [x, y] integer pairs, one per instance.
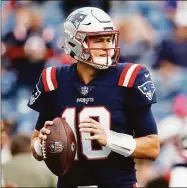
{"points": [[153, 33]]}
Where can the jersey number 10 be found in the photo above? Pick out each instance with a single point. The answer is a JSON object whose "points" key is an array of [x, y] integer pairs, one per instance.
{"points": [[104, 119]]}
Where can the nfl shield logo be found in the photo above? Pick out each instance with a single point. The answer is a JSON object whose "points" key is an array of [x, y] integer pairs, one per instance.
{"points": [[56, 147], [84, 90]]}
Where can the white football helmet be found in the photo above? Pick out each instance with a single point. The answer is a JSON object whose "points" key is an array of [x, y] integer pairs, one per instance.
{"points": [[85, 22]]}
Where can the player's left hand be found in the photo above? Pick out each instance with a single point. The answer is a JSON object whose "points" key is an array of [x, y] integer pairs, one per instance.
{"points": [[91, 126]]}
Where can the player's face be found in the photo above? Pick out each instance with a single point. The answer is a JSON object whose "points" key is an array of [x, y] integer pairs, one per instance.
{"points": [[102, 43]]}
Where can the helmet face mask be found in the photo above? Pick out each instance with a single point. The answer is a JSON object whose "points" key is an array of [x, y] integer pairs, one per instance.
{"points": [[112, 53], [84, 24]]}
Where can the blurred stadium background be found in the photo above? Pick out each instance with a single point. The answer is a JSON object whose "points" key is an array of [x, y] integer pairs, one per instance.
{"points": [[153, 33]]}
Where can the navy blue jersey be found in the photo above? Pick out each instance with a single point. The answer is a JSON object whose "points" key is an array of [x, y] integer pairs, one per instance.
{"points": [[110, 98]]}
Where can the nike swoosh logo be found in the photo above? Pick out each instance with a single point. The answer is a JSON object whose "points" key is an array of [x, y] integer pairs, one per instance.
{"points": [[146, 75]]}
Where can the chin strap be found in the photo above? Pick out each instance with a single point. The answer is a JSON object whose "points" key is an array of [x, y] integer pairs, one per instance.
{"points": [[123, 144], [99, 61]]}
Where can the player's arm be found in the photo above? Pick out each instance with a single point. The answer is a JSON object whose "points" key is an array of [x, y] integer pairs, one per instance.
{"points": [[147, 140], [36, 151], [142, 94], [40, 102], [145, 145], [38, 136]]}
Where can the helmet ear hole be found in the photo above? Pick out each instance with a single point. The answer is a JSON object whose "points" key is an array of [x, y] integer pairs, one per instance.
{"points": [[70, 43], [72, 54]]}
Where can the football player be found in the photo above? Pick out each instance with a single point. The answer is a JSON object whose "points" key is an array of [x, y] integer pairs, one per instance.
{"points": [[107, 105]]}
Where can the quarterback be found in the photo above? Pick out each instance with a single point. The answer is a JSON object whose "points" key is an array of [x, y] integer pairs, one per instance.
{"points": [[107, 105]]}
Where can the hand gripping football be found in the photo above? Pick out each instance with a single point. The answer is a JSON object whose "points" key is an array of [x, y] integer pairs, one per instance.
{"points": [[60, 147]]}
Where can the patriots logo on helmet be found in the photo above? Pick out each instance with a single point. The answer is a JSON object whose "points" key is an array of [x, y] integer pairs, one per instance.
{"points": [[147, 89], [76, 19]]}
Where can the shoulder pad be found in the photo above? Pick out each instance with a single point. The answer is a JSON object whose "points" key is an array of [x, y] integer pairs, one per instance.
{"points": [[129, 74], [49, 79]]}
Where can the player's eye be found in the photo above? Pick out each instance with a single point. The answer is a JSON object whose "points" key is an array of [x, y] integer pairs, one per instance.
{"points": [[98, 40], [109, 40]]}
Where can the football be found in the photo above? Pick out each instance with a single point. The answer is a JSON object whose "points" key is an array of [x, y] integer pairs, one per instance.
{"points": [[60, 147]]}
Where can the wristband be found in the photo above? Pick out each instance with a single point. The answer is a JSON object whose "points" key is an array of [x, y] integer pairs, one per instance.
{"points": [[123, 144]]}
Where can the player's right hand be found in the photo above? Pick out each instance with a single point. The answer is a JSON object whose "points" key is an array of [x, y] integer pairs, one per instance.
{"points": [[45, 131]]}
